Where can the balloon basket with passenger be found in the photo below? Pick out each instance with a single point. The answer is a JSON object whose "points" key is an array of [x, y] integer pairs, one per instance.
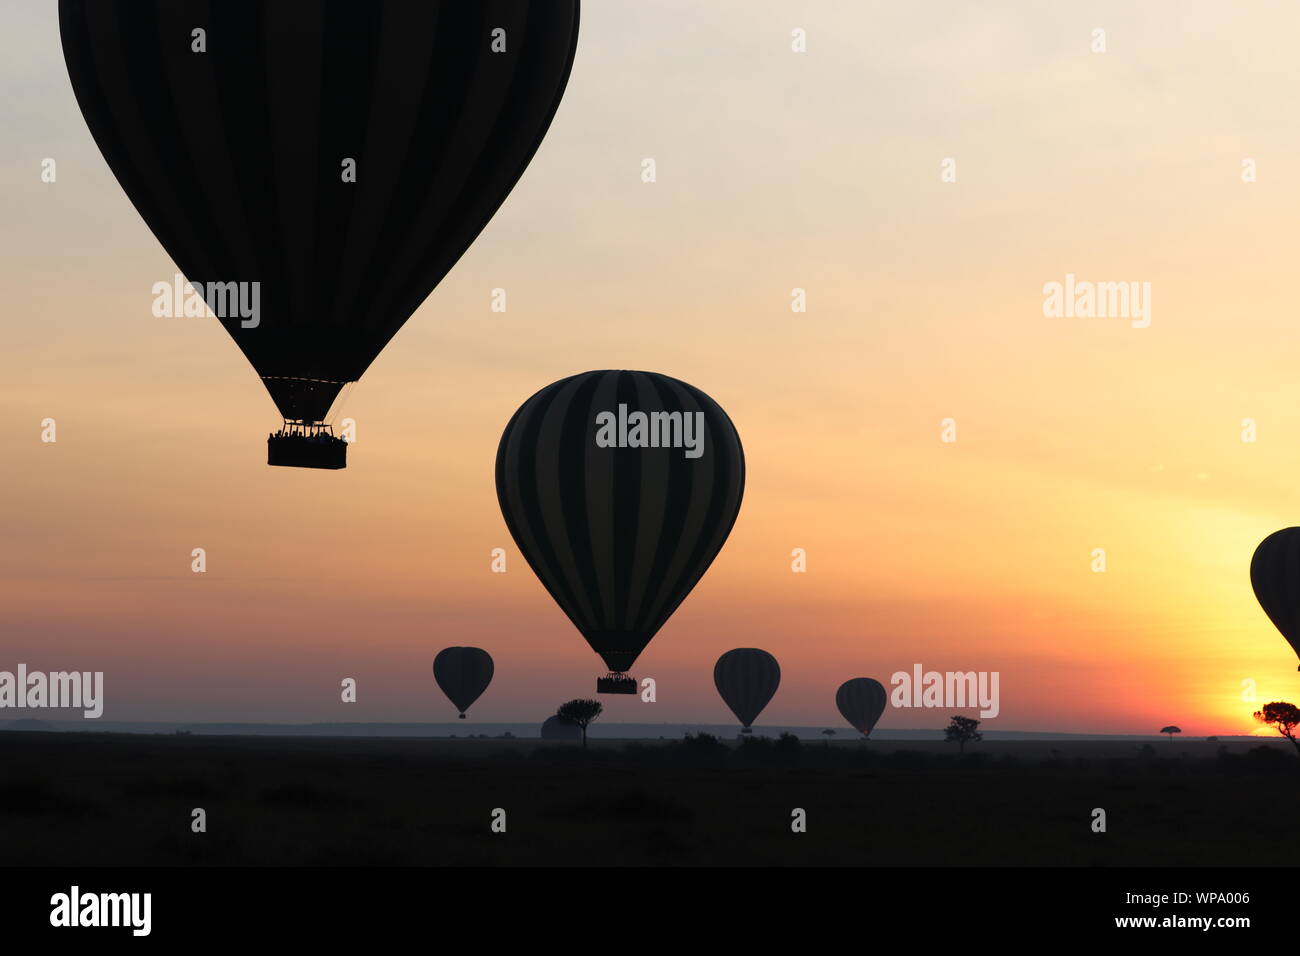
{"points": [[616, 683], [306, 445]]}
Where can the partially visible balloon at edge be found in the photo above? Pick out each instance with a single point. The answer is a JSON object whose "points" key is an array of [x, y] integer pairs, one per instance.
{"points": [[1275, 576]]}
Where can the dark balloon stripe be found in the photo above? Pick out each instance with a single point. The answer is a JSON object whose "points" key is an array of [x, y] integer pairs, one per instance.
{"points": [[746, 679], [618, 536]]}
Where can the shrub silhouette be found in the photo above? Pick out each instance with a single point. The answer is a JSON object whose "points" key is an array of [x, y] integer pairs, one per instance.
{"points": [[1265, 758], [702, 743], [702, 749], [785, 749], [788, 747]]}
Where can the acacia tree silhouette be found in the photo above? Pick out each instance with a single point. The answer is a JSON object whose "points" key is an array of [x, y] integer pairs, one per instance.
{"points": [[961, 730], [581, 712], [1283, 717], [1171, 730]]}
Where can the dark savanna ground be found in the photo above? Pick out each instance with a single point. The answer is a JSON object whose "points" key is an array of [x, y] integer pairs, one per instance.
{"points": [[91, 799]]}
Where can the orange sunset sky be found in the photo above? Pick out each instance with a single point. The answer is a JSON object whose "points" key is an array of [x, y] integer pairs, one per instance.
{"points": [[776, 170]]}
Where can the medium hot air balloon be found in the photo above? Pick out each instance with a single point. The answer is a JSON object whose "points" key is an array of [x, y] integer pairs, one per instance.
{"points": [[861, 701], [1275, 576], [463, 673], [553, 728], [746, 678], [321, 164], [620, 488]]}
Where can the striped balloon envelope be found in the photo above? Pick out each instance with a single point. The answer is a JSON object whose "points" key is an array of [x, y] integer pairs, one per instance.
{"points": [[463, 673], [747, 679], [332, 160], [861, 701], [620, 489]]}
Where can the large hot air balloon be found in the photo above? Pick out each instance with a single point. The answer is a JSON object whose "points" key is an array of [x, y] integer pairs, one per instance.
{"points": [[861, 702], [463, 673], [746, 678], [1275, 576], [322, 163], [553, 728], [620, 488]]}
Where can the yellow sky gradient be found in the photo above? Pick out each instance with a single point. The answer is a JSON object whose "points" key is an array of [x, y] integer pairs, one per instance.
{"points": [[775, 170]]}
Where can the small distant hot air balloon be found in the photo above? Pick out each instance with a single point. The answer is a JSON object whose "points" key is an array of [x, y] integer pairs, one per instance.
{"points": [[861, 701], [329, 161], [1275, 576], [620, 488], [463, 673], [746, 678], [556, 729]]}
